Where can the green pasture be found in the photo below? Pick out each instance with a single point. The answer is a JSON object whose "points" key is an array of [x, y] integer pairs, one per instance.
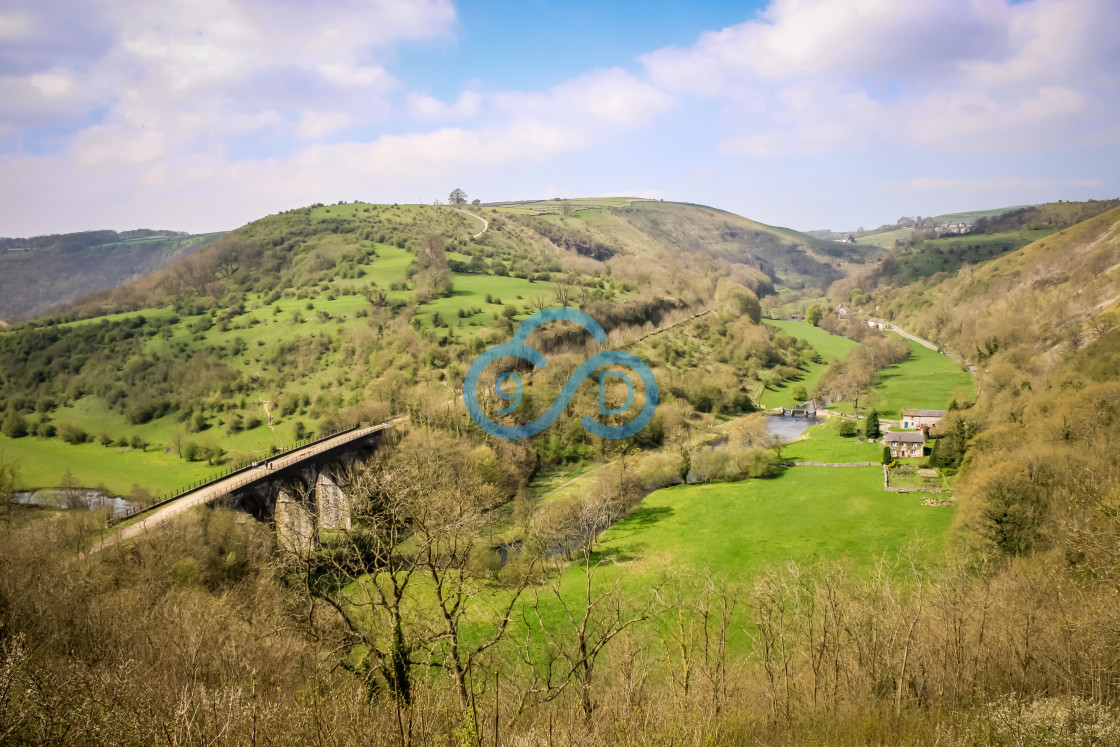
{"points": [[823, 443], [827, 345], [806, 514], [926, 380], [42, 462], [470, 290]]}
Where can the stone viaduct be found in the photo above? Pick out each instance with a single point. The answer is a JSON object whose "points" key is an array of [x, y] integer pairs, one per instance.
{"points": [[307, 496], [303, 491]]}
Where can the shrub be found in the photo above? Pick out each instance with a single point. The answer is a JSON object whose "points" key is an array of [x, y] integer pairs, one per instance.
{"points": [[72, 434], [848, 428], [14, 425]]}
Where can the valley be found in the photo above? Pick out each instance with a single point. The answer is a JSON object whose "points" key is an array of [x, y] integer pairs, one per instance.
{"points": [[702, 543]]}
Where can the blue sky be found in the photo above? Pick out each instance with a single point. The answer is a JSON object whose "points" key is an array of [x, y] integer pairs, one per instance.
{"points": [[804, 113]]}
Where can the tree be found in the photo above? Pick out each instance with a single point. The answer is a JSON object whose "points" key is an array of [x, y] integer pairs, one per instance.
{"points": [[813, 315], [872, 429], [14, 425], [592, 618], [414, 563], [886, 455], [457, 197], [9, 483], [476, 202]]}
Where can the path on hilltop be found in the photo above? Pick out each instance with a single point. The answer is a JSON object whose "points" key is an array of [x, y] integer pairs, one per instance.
{"points": [[485, 223]]}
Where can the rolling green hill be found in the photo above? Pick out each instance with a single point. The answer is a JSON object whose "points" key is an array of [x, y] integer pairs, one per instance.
{"points": [[320, 316], [57, 270]]}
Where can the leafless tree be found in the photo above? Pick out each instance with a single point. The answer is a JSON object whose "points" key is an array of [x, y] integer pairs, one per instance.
{"points": [[589, 622]]}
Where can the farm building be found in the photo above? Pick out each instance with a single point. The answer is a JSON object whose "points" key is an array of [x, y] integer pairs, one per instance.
{"points": [[911, 444], [914, 419]]}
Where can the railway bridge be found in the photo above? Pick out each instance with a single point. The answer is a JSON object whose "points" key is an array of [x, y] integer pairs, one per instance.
{"points": [[303, 491]]}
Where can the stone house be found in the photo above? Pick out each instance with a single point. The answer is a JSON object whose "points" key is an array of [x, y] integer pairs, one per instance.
{"points": [[902, 445], [915, 419]]}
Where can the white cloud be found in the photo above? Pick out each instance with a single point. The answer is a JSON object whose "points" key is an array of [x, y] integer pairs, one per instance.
{"points": [[963, 75], [611, 97], [426, 107], [313, 124], [996, 184]]}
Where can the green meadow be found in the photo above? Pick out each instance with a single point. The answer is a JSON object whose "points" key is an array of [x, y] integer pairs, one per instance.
{"points": [[42, 462], [925, 380], [829, 347], [805, 514]]}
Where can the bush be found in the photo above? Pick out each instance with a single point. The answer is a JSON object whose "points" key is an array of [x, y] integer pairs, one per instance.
{"points": [[886, 455], [848, 428], [72, 434], [14, 425], [660, 470]]}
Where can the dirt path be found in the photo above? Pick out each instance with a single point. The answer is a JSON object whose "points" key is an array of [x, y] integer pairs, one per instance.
{"points": [[485, 224], [268, 414], [931, 346]]}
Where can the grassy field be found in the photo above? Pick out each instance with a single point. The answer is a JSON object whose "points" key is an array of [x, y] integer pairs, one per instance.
{"points": [[806, 514], [471, 291], [948, 254], [823, 443], [43, 461], [829, 346], [925, 380], [887, 239]]}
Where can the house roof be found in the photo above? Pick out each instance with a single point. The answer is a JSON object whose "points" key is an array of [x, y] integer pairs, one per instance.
{"points": [[914, 437], [924, 413]]}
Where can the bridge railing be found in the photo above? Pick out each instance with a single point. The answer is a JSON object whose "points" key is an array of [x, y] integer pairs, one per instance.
{"points": [[233, 469]]}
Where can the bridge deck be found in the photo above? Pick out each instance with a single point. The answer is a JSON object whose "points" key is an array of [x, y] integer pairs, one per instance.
{"points": [[215, 490]]}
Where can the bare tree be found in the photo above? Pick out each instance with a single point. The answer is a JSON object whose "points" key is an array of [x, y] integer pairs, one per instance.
{"points": [[589, 620], [9, 482], [414, 563], [563, 292]]}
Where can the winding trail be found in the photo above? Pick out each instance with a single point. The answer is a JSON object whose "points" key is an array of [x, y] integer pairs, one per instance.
{"points": [[931, 346], [485, 223]]}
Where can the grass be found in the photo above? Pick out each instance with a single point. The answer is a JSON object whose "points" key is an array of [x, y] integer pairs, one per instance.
{"points": [[948, 254], [471, 290], [823, 443], [925, 380], [827, 345], [43, 462], [806, 514]]}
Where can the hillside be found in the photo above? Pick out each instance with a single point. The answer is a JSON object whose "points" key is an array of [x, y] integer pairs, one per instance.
{"points": [[47, 272], [789, 258], [320, 316], [925, 254]]}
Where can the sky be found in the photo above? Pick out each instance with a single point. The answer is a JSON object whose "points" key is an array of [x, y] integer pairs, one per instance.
{"points": [[810, 114]]}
